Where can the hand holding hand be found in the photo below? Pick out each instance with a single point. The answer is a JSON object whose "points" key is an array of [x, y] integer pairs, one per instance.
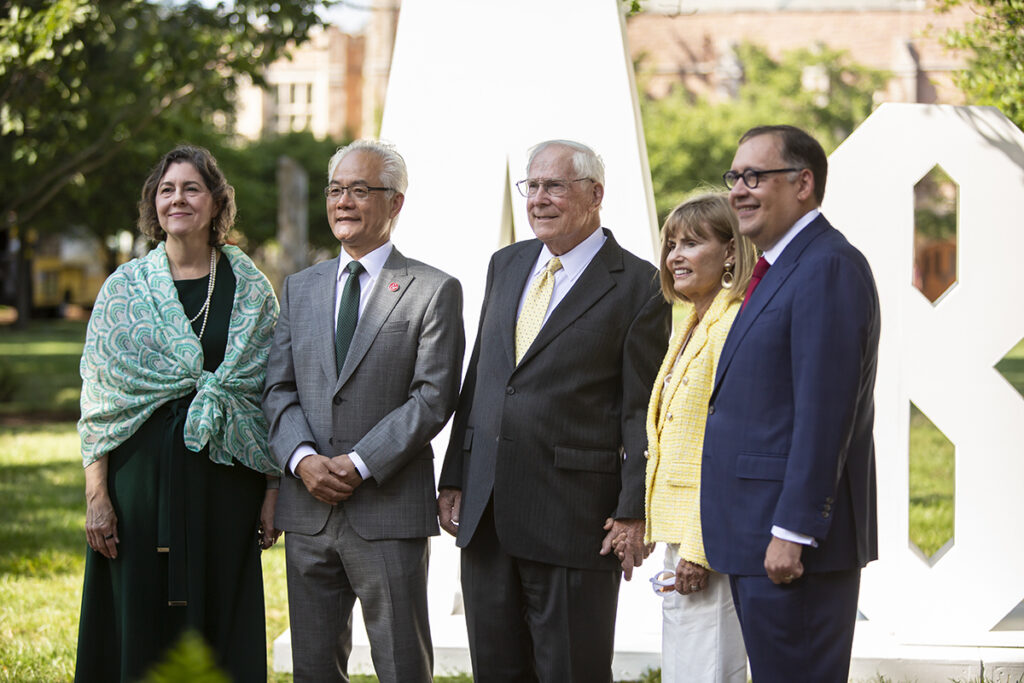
{"points": [[690, 577], [782, 561], [348, 471], [449, 501], [324, 478], [626, 538]]}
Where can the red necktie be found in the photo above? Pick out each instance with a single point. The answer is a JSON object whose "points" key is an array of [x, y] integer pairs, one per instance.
{"points": [[760, 268]]}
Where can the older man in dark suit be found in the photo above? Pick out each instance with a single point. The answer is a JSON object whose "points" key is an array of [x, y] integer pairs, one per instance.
{"points": [[547, 448], [363, 373], [788, 474]]}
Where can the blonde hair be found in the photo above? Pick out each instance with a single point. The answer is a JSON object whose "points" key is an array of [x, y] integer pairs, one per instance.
{"points": [[707, 215]]}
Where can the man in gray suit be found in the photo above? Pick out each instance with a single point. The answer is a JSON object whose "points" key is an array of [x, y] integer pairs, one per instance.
{"points": [[547, 447], [363, 373]]}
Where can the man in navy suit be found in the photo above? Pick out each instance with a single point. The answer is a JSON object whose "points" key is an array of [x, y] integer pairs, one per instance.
{"points": [[788, 476]]}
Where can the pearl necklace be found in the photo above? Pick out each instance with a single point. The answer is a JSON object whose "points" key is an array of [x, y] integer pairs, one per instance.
{"points": [[205, 310]]}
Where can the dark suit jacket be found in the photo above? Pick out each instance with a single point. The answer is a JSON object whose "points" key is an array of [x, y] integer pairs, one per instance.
{"points": [[396, 390], [546, 438], [790, 419]]}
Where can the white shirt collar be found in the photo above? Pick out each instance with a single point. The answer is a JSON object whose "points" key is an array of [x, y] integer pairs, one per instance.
{"points": [[574, 261], [372, 262], [772, 254]]}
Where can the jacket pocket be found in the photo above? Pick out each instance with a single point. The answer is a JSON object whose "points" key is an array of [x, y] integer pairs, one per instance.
{"points": [[587, 460], [467, 440], [770, 467], [394, 326], [683, 475]]}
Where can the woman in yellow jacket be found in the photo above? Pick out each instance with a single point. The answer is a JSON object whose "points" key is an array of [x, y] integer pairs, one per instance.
{"points": [[706, 266]]}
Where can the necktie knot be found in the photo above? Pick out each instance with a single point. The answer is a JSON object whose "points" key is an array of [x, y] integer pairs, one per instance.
{"points": [[760, 268], [554, 265], [354, 268]]}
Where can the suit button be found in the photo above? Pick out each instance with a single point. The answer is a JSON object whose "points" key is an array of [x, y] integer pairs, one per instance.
{"points": [[828, 499], [669, 417], [331, 440], [824, 514], [711, 410], [826, 507], [510, 390], [686, 380], [338, 400], [647, 454]]}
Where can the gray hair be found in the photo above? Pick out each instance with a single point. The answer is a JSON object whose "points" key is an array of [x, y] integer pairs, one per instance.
{"points": [[585, 161], [393, 172]]}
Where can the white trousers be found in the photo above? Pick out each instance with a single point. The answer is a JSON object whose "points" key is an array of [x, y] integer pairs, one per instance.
{"points": [[701, 640]]}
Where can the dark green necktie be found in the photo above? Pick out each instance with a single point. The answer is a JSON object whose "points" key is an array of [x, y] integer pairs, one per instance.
{"points": [[348, 313]]}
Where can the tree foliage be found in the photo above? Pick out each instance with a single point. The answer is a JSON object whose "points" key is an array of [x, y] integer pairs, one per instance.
{"points": [[691, 140], [88, 86], [994, 74], [252, 170]]}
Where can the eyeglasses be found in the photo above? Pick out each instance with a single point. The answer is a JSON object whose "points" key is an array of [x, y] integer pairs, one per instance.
{"points": [[556, 187], [359, 192], [751, 177]]}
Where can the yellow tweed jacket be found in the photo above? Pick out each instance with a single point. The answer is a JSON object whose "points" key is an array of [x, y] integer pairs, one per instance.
{"points": [[676, 417]]}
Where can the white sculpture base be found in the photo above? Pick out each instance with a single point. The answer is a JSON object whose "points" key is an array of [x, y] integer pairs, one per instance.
{"points": [[874, 655]]}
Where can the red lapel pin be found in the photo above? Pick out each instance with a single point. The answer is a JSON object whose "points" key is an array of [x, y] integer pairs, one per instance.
{"points": [[393, 286]]}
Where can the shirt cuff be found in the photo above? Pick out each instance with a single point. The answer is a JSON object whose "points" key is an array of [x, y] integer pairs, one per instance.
{"points": [[360, 466], [787, 535], [300, 452]]}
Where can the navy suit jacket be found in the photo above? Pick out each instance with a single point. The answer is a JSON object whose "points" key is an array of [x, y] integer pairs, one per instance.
{"points": [[790, 420]]}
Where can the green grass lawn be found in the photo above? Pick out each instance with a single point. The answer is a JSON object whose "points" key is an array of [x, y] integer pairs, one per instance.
{"points": [[39, 368]]}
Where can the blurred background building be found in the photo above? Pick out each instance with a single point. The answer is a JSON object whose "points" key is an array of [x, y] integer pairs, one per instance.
{"points": [[335, 84]]}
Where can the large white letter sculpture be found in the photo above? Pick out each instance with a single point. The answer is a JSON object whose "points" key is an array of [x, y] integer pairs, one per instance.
{"points": [[941, 358], [475, 83]]}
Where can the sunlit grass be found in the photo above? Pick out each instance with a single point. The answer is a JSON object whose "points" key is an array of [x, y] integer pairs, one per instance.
{"points": [[932, 484]]}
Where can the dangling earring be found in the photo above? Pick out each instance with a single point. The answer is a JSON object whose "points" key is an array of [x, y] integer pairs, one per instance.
{"points": [[727, 276]]}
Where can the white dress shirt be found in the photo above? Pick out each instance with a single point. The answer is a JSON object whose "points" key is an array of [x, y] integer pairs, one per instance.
{"points": [[372, 264], [574, 262]]}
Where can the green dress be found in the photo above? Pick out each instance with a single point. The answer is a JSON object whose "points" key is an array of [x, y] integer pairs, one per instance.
{"points": [[204, 514]]}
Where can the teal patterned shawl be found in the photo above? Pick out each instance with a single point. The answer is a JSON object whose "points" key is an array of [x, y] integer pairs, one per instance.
{"points": [[140, 352]]}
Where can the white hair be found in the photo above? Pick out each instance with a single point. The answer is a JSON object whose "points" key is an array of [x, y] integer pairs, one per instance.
{"points": [[585, 161], [393, 172]]}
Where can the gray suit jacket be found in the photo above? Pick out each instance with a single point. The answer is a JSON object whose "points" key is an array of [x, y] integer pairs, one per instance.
{"points": [[395, 392], [546, 437]]}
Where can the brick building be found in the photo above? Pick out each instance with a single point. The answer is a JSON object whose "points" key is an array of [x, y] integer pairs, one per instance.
{"points": [[690, 42], [319, 88]]}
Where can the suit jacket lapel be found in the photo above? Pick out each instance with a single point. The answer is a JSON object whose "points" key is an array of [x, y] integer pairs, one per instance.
{"points": [[324, 291], [383, 299], [766, 289], [508, 295], [589, 288]]}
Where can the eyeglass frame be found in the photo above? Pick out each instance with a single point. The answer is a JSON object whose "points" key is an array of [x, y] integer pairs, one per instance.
{"points": [[351, 190], [545, 183], [756, 175]]}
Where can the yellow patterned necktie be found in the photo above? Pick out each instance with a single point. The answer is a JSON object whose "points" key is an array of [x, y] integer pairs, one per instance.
{"points": [[535, 307]]}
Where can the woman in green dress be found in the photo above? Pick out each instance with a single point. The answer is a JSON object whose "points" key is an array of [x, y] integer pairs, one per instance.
{"points": [[180, 488]]}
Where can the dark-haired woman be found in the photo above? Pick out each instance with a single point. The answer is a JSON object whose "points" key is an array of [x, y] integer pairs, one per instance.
{"points": [[179, 483]]}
